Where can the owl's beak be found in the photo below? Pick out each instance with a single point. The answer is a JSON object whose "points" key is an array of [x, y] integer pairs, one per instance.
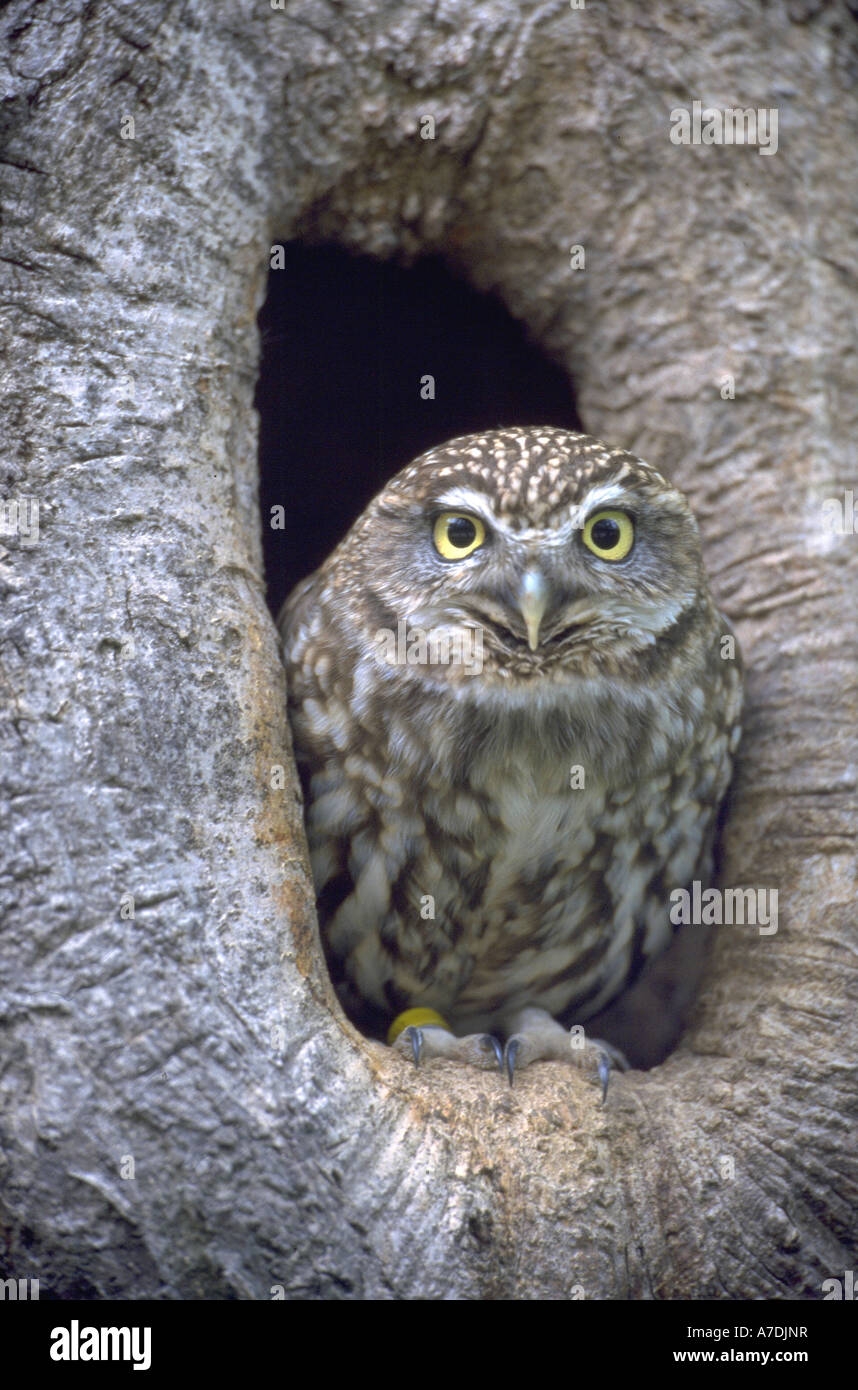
{"points": [[533, 598]]}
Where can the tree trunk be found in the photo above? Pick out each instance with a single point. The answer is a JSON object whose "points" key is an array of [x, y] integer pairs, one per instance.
{"points": [[185, 1112]]}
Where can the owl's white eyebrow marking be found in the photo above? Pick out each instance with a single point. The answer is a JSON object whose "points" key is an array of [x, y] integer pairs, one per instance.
{"points": [[468, 499], [602, 496]]}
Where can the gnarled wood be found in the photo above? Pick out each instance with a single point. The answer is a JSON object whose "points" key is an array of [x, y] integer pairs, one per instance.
{"points": [[141, 693]]}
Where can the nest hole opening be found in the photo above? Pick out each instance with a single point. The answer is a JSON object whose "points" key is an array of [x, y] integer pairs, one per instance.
{"points": [[348, 344]]}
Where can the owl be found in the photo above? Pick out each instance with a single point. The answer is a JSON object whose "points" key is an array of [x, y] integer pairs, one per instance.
{"points": [[515, 707]]}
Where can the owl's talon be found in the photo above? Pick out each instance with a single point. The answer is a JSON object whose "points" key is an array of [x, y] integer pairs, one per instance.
{"points": [[608, 1060], [511, 1051], [426, 1041], [415, 1037], [537, 1037], [604, 1065], [479, 1050]]}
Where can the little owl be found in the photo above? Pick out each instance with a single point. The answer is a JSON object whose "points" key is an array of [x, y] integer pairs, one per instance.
{"points": [[514, 706]]}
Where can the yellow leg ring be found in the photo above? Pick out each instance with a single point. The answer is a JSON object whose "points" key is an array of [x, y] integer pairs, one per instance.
{"points": [[415, 1018]]}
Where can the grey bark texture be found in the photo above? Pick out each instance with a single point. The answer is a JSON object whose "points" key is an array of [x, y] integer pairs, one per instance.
{"points": [[142, 694]]}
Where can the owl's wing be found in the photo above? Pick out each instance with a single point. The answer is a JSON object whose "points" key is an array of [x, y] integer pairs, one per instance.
{"points": [[339, 816]]}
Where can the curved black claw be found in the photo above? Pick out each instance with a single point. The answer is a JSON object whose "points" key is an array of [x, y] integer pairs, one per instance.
{"points": [[605, 1066], [498, 1052], [415, 1037], [513, 1048]]}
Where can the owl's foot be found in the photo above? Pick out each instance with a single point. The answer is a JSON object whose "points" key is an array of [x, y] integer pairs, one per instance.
{"points": [[422, 1034], [537, 1037]]}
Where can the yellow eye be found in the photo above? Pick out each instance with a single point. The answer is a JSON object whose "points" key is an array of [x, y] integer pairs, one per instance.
{"points": [[456, 535], [610, 535]]}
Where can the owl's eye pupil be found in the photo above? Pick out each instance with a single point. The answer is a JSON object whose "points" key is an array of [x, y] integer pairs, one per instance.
{"points": [[461, 532], [457, 535], [605, 533]]}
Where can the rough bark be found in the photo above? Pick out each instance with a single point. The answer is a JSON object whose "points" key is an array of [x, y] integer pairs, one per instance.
{"points": [[142, 697]]}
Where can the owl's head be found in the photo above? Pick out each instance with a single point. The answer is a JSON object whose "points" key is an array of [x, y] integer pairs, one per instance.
{"points": [[554, 552]]}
